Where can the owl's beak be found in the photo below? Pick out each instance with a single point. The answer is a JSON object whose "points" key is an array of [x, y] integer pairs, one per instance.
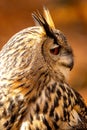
{"points": [[71, 65]]}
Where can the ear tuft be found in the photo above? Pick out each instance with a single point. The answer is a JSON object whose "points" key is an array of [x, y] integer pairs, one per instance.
{"points": [[48, 18], [46, 22]]}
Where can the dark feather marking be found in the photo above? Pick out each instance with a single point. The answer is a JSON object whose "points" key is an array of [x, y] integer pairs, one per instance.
{"points": [[48, 88], [11, 106], [65, 105], [62, 86], [80, 100], [51, 111], [47, 124], [56, 102], [55, 125], [53, 87], [31, 118], [1, 104], [65, 101], [13, 117], [58, 93], [21, 85], [33, 99], [45, 109], [37, 128], [65, 115], [29, 91], [6, 123], [37, 108], [9, 128], [64, 98]]}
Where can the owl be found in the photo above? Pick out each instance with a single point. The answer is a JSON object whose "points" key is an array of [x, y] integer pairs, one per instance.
{"points": [[34, 93]]}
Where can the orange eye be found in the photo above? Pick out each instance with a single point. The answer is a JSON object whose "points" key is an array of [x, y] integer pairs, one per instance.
{"points": [[55, 51]]}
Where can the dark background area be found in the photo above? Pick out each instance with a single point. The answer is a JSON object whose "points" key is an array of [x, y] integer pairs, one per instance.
{"points": [[70, 16]]}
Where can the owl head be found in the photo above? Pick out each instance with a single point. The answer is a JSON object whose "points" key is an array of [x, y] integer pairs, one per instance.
{"points": [[56, 51]]}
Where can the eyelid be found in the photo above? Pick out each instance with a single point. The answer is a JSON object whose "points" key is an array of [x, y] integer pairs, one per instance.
{"points": [[54, 46]]}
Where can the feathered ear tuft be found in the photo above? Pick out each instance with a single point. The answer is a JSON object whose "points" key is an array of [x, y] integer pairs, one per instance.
{"points": [[48, 18], [40, 19], [46, 22]]}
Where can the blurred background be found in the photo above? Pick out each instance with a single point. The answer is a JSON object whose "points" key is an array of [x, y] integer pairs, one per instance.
{"points": [[70, 16]]}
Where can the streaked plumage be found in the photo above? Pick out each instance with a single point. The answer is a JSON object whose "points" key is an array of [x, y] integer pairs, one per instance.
{"points": [[34, 93]]}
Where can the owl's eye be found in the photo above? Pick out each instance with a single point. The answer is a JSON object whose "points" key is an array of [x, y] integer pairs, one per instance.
{"points": [[55, 51]]}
